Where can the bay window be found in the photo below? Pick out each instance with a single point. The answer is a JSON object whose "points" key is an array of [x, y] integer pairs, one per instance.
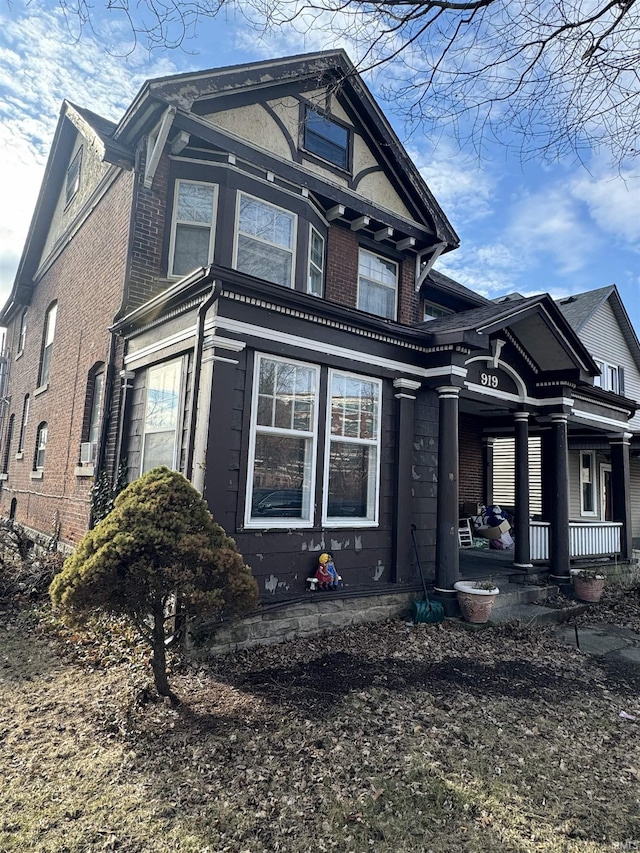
{"points": [[316, 263], [162, 416], [377, 285], [265, 240], [192, 231]]}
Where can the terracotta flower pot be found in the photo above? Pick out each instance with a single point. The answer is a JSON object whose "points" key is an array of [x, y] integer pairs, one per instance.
{"points": [[476, 604], [588, 589]]}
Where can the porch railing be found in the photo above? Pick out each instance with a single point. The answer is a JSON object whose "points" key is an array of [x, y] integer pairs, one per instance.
{"points": [[597, 539]]}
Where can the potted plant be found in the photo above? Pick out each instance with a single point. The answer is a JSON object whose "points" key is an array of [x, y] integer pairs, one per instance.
{"points": [[476, 598], [588, 584]]}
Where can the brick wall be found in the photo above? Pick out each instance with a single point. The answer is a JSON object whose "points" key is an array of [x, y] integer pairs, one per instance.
{"points": [[470, 448], [342, 275], [86, 280], [149, 218]]}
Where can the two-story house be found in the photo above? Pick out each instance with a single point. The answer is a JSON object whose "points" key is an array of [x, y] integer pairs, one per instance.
{"points": [[236, 280]]}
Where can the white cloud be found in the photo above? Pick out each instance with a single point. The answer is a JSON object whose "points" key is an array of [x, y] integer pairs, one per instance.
{"points": [[613, 202], [40, 65]]}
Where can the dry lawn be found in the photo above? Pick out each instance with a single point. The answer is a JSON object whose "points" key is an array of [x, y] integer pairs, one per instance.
{"points": [[390, 738]]}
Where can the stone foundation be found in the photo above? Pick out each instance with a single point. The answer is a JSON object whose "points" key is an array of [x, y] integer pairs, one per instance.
{"points": [[300, 619]]}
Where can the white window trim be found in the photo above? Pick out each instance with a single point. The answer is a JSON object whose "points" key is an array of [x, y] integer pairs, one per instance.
{"points": [[604, 466], [175, 223], [40, 446], [353, 521], [294, 236], [589, 513], [310, 263], [382, 257], [285, 523], [602, 381], [179, 418]]}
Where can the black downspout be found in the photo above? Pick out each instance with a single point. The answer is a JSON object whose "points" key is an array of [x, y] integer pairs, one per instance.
{"points": [[197, 369]]}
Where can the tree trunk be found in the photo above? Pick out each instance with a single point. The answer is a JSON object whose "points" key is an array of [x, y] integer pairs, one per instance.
{"points": [[159, 659]]}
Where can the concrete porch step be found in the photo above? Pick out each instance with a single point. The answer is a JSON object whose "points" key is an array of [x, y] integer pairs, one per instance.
{"points": [[522, 603]]}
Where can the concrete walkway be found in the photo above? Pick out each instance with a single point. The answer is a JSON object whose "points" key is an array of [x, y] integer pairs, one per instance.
{"points": [[601, 639]]}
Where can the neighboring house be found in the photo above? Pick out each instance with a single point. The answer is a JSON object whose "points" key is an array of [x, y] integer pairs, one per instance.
{"points": [[249, 268], [602, 324]]}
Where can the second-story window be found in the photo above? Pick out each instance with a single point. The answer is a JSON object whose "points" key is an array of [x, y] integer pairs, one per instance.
{"points": [[47, 344], [22, 336], [265, 240], [377, 285], [316, 263], [193, 227], [435, 312], [611, 378], [7, 445], [23, 425]]}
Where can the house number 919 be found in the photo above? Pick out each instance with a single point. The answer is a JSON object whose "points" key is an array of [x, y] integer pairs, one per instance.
{"points": [[488, 380]]}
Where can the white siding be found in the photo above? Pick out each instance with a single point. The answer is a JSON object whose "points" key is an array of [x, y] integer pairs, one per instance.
{"points": [[603, 338], [504, 473]]}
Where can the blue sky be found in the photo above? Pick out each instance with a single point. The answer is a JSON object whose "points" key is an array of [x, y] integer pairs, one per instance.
{"points": [[531, 228]]}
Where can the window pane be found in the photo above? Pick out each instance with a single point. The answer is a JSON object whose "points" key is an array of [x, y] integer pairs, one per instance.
{"points": [[191, 248], [159, 449], [96, 406], [326, 138], [51, 325], [46, 363], [352, 472], [377, 268], [163, 393], [195, 203], [281, 477], [316, 263], [264, 261], [265, 222], [376, 299], [286, 393]]}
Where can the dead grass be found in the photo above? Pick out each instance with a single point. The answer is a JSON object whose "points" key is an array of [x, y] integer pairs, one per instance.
{"points": [[389, 738]]}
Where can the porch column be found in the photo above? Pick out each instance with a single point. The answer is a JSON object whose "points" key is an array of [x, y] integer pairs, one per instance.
{"points": [[621, 489], [559, 555], [447, 548], [522, 556], [406, 397]]}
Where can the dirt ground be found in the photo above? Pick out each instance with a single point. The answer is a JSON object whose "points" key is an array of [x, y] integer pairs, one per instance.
{"points": [[385, 738]]}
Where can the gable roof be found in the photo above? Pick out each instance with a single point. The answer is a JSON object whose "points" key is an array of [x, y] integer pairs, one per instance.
{"points": [[331, 68], [530, 319], [450, 285], [581, 307]]}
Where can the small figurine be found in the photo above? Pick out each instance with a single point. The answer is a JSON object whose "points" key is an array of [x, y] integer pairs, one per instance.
{"points": [[326, 574]]}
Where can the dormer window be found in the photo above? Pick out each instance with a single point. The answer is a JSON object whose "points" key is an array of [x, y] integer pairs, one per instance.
{"points": [[326, 138], [73, 177]]}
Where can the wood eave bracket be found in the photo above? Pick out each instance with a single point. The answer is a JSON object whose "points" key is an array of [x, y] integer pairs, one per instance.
{"points": [[158, 147]]}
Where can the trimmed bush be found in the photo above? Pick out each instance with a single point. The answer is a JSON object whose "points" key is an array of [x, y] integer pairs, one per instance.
{"points": [[159, 541]]}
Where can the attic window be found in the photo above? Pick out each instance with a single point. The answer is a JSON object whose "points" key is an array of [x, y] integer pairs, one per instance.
{"points": [[73, 177], [326, 138]]}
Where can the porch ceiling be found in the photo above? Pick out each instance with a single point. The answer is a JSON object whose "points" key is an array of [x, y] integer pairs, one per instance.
{"points": [[542, 343]]}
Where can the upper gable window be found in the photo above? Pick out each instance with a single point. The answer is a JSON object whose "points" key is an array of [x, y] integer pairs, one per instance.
{"points": [[73, 177], [326, 138], [377, 285], [265, 240], [611, 379], [193, 227]]}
